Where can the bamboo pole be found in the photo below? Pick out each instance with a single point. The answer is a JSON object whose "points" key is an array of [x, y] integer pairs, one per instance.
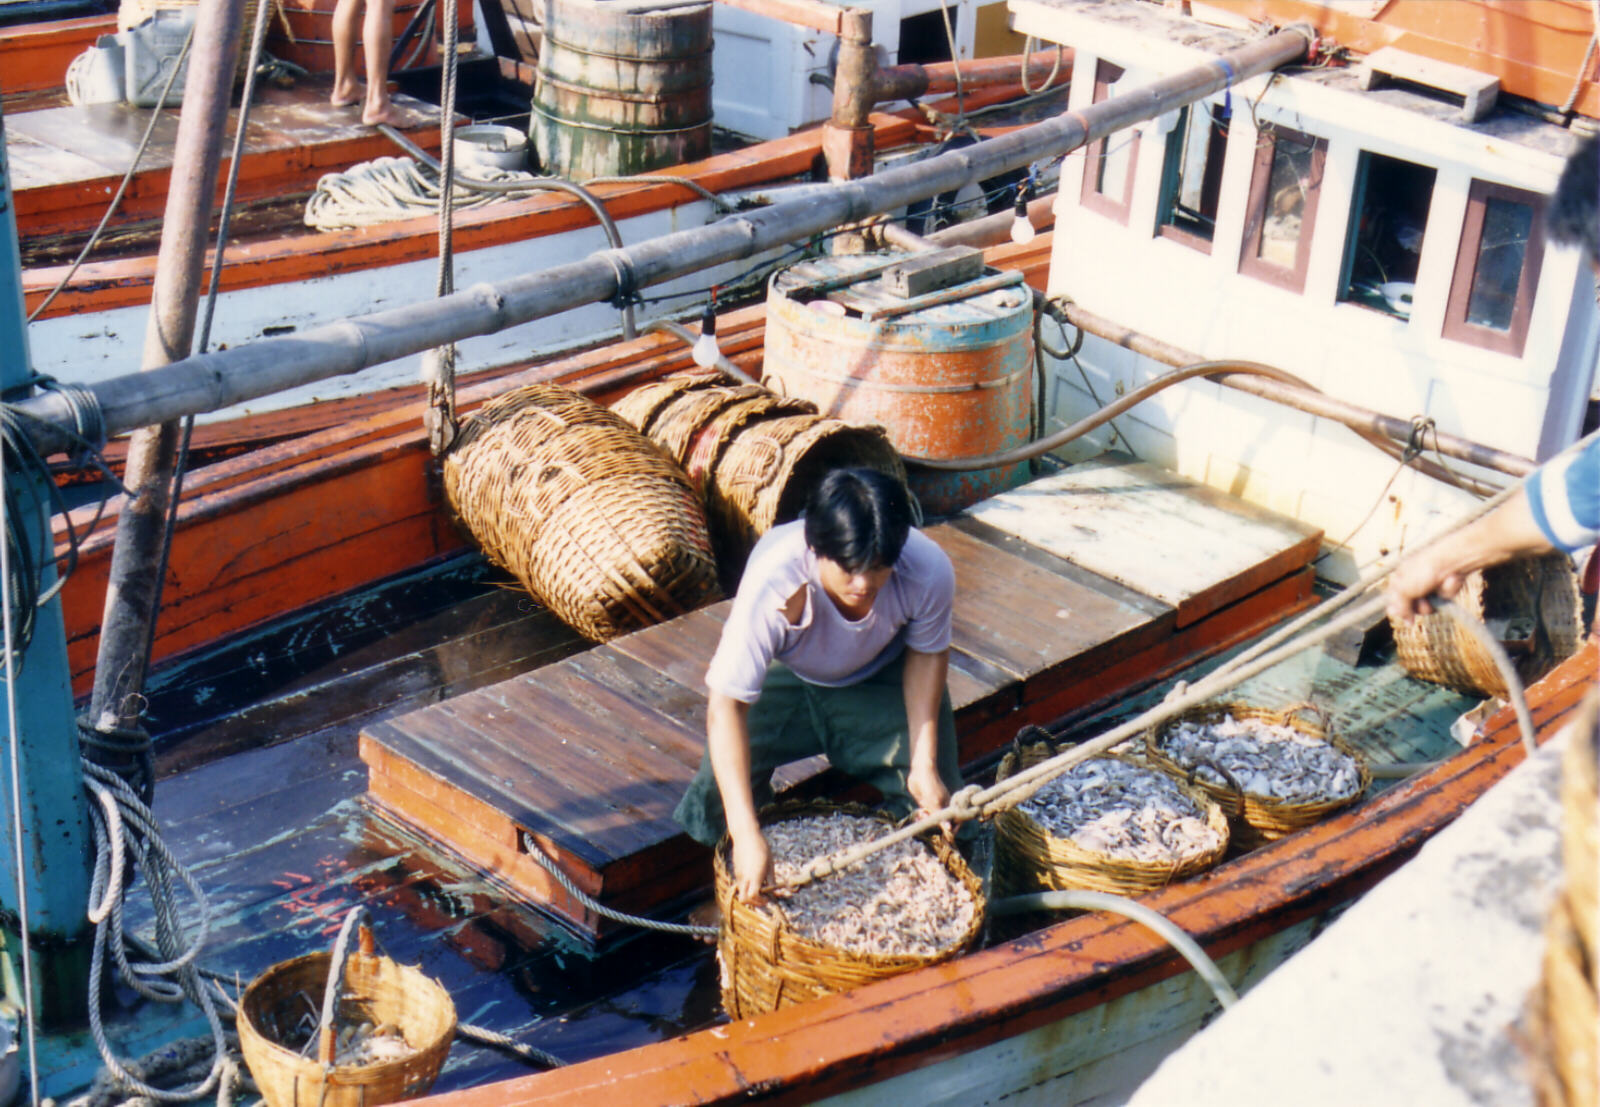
{"points": [[135, 588], [223, 378]]}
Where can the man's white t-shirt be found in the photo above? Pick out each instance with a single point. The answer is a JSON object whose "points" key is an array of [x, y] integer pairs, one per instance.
{"points": [[912, 610]]}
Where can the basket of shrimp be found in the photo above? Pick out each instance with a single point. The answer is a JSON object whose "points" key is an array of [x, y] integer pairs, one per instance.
{"points": [[351, 1031], [1109, 823], [1272, 772], [911, 904]]}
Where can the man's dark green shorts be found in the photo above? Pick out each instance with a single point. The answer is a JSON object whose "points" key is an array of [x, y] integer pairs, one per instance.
{"points": [[861, 727]]}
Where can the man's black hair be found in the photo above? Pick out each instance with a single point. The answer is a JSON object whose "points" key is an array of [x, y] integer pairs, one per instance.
{"points": [[1573, 216], [858, 518]]}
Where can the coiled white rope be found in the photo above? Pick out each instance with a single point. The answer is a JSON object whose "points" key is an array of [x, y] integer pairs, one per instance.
{"points": [[386, 189], [125, 831]]}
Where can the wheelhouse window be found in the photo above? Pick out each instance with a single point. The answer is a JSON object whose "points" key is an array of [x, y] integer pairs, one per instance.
{"points": [[1108, 171], [1191, 176], [1497, 268], [1282, 210], [1385, 238]]}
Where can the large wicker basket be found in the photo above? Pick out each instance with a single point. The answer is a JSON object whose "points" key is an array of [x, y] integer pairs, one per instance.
{"points": [[583, 509], [766, 965], [1029, 858], [768, 469], [1254, 819], [381, 992], [1535, 597], [692, 416]]}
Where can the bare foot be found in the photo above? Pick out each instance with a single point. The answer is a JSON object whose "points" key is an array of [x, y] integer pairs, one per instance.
{"points": [[384, 112], [345, 93]]}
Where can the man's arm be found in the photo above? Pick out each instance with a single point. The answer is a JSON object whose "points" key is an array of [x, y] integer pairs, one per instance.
{"points": [[924, 677], [1505, 532], [728, 740]]}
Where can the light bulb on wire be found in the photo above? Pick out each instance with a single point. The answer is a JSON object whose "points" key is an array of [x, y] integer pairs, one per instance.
{"points": [[706, 351], [1022, 231]]}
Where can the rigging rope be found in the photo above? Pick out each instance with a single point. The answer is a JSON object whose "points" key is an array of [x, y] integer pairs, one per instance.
{"points": [[439, 363]]}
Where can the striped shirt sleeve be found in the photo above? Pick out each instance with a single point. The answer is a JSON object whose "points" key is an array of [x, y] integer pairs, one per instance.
{"points": [[1565, 497]]}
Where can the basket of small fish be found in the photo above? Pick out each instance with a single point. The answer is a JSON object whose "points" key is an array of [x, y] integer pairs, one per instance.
{"points": [[913, 904], [1272, 772], [379, 1033], [1108, 824]]}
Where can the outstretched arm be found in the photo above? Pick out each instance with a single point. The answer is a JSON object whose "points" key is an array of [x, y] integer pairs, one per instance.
{"points": [[1505, 532], [728, 740], [925, 675]]}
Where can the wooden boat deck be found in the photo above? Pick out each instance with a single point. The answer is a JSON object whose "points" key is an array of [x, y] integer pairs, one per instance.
{"points": [[587, 757], [67, 161]]}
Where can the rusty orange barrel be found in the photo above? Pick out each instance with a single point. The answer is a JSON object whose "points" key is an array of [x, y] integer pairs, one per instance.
{"points": [[947, 374]]}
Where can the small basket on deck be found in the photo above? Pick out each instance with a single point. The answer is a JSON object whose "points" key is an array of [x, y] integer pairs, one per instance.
{"points": [[376, 991], [1255, 818], [1530, 603], [589, 514], [1029, 857], [767, 964]]}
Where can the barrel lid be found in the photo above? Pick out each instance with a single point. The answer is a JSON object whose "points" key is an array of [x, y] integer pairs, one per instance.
{"points": [[853, 286]]}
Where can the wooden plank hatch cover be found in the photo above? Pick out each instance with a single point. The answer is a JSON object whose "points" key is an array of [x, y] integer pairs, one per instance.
{"points": [[586, 758], [1158, 533]]}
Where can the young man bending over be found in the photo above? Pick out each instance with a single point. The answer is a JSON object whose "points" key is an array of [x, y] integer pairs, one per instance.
{"points": [[838, 643]]}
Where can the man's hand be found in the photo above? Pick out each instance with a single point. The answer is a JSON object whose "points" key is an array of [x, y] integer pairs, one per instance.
{"points": [[927, 788], [752, 866]]}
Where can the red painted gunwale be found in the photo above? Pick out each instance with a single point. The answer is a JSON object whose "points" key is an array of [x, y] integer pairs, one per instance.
{"points": [[857, 1038]]}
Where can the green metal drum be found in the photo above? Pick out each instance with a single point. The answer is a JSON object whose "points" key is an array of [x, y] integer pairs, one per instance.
{"points": [[623, 86]]}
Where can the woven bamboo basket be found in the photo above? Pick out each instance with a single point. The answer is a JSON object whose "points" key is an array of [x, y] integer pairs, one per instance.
{"points": [[1535, 595], [1029, 858], [377, 990], [589, 514], [769, 467], [767, 966], [1254, 819], [1580, 824], [1563, 1015], [641, 406]]}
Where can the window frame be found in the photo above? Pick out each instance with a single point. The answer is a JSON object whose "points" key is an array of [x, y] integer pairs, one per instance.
{"points": [[1107, 73], [1251, 264], [1211, 180], [1513, 340]]}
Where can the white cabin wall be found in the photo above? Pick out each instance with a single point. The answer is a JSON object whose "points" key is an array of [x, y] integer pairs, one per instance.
{"points": [[1315, 469]]}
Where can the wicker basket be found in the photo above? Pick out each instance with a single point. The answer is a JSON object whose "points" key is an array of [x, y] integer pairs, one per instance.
{"points": [[1255, 819], [383, 992], [1580, 824], [766, 965], [583, 509], [692, 416], [1029, 858], [1538, 594], [768, 468], [641, 406]]}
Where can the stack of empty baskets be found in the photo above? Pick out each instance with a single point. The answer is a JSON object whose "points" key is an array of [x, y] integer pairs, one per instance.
{"points": [[753, 456]]}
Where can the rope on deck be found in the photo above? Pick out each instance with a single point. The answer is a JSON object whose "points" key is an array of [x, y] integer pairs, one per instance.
{"points": [[545, 862]]}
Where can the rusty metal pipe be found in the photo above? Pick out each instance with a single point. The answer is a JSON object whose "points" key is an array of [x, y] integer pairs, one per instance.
{"points": [[906, 82], [134, 591], [987, 231], [1302, 397]]}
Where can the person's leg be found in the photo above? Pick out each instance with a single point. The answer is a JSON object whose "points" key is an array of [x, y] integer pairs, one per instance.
{"points": [[781, 730], [865, 735], [346, 89], [377, 38]]}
